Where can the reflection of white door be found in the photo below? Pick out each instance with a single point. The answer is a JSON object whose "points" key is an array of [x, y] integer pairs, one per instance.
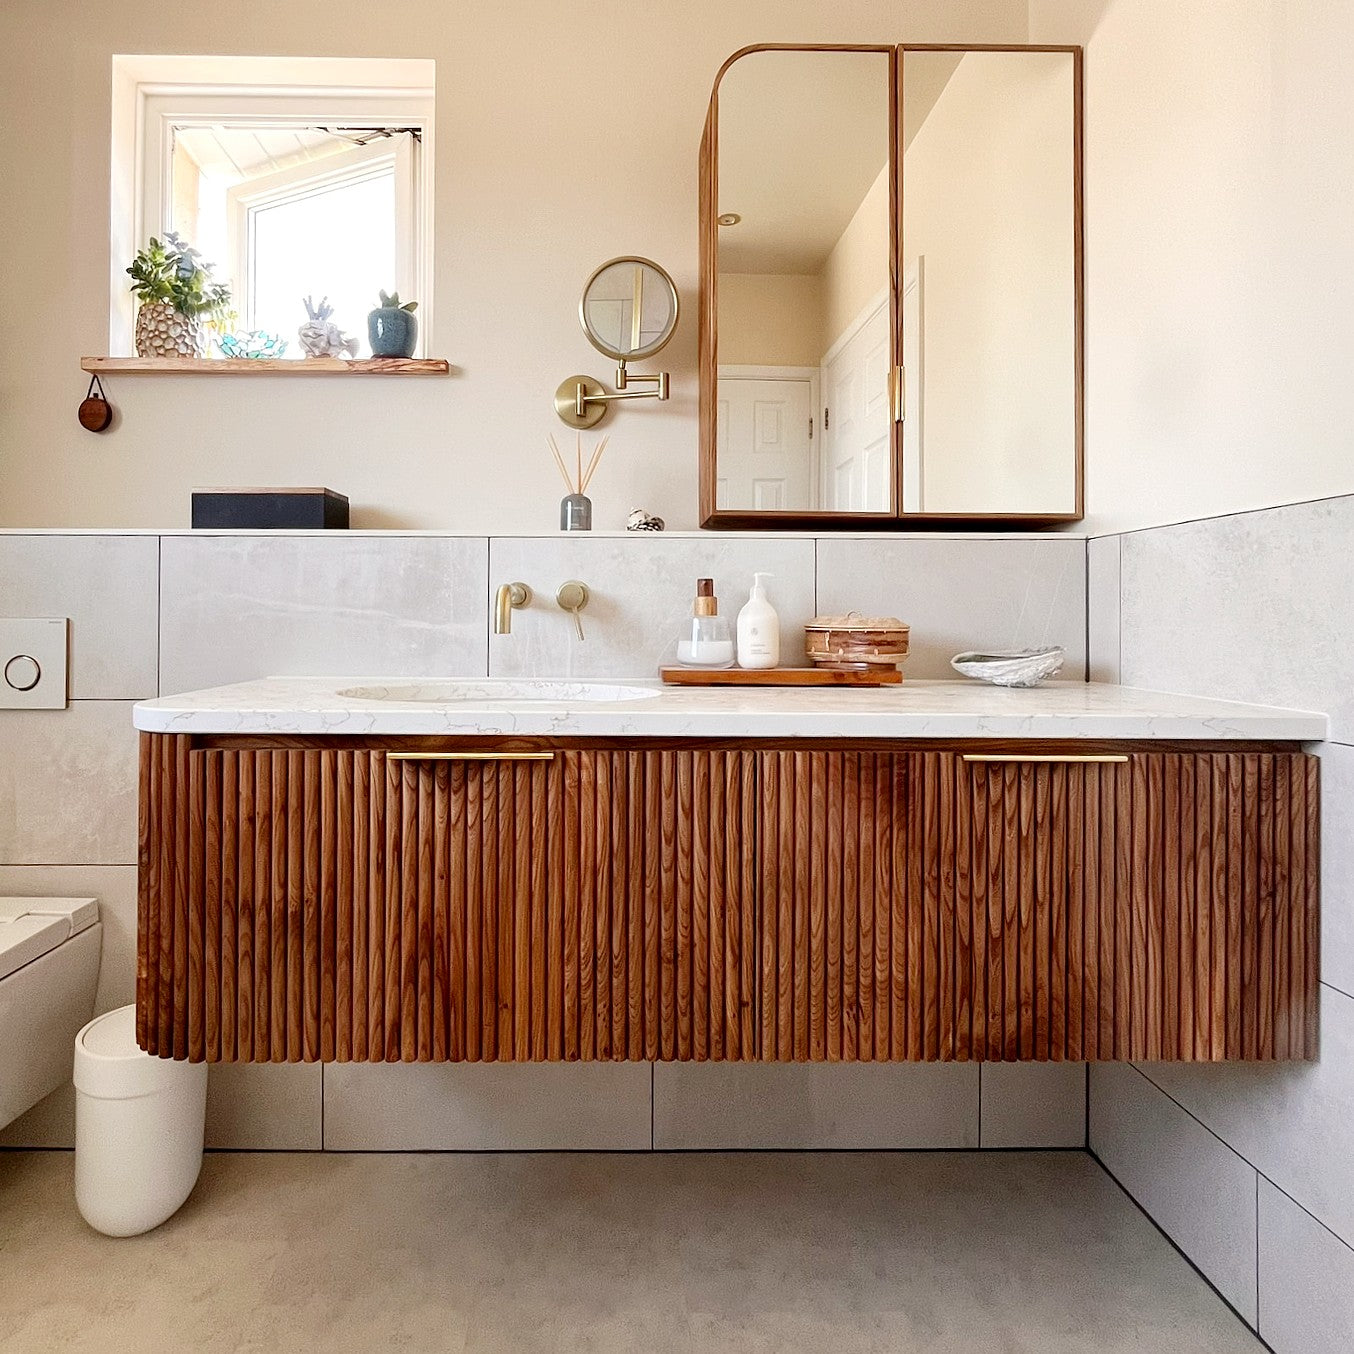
{"points": [[765, 439], [856, 426]]}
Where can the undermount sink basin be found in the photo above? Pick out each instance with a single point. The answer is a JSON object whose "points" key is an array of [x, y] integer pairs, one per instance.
{"points": [[516, 693]]}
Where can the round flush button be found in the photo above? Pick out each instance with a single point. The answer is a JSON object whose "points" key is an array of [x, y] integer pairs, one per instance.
{"points": [[22, 672]]}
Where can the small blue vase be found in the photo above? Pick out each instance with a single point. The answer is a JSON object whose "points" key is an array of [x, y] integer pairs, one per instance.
{"points": [[392, 332]]}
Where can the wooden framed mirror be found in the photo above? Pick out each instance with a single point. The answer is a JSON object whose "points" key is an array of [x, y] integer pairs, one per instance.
{"points": [[891, 328]]}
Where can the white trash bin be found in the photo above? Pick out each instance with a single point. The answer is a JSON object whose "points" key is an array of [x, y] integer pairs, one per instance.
{"points": [[138, 1128]]}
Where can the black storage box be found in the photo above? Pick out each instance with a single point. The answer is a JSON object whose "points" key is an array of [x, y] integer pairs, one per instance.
{"points": [[270, 509]]}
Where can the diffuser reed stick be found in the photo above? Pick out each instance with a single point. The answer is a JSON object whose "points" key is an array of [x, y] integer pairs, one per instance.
{"points": [[593, 464], [578, 482], [559, 461]]}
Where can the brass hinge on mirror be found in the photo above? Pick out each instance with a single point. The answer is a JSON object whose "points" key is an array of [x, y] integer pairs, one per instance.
{"points": [[898, 393]]}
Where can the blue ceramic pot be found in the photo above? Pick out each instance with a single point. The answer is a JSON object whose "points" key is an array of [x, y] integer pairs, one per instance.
{"points": [[392, 332]]}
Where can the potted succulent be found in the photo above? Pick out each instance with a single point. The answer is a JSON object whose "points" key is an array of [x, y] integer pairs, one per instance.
{"points": [[177, 295], [392, 329]]}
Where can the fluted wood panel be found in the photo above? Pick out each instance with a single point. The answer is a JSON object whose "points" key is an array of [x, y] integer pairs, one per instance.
{"points": [[918, 906], [299, 905], [304, 903]]}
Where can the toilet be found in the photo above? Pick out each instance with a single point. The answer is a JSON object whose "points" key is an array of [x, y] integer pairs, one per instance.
{"points": [[49, 971]]}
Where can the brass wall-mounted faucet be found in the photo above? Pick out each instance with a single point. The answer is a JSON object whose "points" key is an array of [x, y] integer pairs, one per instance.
{"points": [[508, 596]]}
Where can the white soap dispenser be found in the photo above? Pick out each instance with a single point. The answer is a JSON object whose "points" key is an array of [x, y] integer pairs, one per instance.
{"points": [[758, 629]]}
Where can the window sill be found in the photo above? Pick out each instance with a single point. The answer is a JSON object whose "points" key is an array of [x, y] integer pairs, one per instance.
{"points": [[270, 366]]}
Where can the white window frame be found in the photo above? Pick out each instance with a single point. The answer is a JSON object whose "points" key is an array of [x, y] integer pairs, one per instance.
{"points": [[154, 94], [311, 177]]}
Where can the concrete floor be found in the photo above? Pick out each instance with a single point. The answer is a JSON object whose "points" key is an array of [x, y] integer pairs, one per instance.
{"points": [[948, 1253]]}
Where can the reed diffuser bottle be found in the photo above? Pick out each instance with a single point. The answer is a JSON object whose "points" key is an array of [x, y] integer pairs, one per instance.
{"points": [[575, 508]]}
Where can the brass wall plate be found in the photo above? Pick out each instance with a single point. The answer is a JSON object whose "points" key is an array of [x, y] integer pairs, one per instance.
{"points": [[566, 402]]}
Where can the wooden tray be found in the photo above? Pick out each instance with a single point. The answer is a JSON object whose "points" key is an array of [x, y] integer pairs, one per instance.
{"points": [[781, 676]]}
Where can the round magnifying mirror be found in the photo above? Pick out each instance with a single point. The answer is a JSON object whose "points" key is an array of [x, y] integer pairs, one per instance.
{"points": [[629, 308]]}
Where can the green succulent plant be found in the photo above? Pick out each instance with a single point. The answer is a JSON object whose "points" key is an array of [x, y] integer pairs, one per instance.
{"points": [[172, 270], [393, 299]]}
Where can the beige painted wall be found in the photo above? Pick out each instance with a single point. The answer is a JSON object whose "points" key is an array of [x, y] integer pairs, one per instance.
{"points": [[987, 203], [858, 267], [526, 91], [1220, 297], [770, 319]]}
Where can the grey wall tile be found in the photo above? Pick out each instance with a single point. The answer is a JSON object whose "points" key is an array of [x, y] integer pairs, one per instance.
{"points": [[68, 785], [1306, 1280], [109, 587], [1033, 1105], [1337, 866], [467, 1107], [1251, 607], [239, 607], [1199, 1192], [265, 1106], [821, 1105], [1102, 607], [959, 593], [1291, 1120], [642, 587]]}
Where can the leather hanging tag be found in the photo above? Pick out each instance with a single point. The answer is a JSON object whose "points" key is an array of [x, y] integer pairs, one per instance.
{"points": [[95, 411]]}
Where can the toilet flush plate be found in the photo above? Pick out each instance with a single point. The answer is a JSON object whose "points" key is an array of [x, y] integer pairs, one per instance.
{"points": [[33, 663]]}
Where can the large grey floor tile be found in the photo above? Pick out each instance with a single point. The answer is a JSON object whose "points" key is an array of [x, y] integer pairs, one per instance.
{"points": [[963, 593], [1306, 1280], [109, 588], [1198, 1191], [960, 1253], [239, 607], [68, 785]]}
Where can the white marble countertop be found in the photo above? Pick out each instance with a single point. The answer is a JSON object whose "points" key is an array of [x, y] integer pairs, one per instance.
{"points": [[916, 709]]}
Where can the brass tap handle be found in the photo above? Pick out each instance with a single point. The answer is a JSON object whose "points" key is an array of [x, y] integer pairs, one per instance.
{"points": [[573, 597]]}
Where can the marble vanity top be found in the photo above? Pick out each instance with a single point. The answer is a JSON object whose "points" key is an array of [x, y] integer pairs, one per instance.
{"points": [[916, 709]]}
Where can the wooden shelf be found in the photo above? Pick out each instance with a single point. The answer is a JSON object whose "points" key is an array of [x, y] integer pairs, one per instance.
{"points": [[270, 366]]}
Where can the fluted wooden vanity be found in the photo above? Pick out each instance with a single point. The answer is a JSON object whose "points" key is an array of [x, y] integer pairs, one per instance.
{"points": [[521, 896]]}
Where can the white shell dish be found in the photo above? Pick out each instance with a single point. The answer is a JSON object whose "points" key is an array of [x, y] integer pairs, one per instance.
{"points": [[1024, 667]]}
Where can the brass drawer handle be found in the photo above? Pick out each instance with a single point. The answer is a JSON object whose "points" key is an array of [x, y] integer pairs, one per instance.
{"points": [[1102, 757], [470, 756]]}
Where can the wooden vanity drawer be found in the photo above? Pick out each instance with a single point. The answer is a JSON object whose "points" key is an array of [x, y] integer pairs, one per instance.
{"points": [[303, 904], [1145, 905]]}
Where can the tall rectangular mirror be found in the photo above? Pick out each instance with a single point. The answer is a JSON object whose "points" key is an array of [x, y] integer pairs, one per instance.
{"points": [[891, 287], [804, 236], [990, 279]]}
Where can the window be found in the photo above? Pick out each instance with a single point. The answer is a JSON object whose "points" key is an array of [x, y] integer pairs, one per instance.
{"points": [[291, 185]]}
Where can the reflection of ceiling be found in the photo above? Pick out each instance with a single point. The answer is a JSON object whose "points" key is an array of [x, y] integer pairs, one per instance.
{"points": [[802, 137], [238, 153], [925, 75]]}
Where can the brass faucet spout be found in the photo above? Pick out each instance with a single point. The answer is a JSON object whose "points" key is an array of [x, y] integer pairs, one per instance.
{"points": [[508, 596]]}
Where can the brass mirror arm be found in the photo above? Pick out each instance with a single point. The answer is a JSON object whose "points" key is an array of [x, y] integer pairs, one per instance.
{"points": [[583, 399]]}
